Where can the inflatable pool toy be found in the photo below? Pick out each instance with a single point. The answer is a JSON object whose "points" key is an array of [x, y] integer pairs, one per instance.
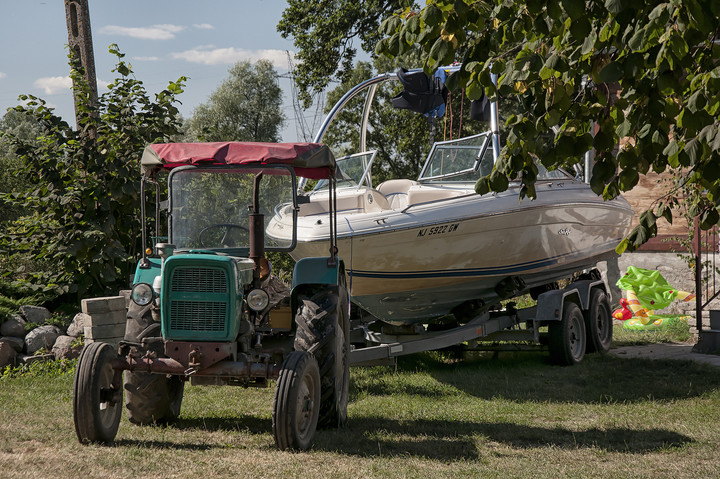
{"points": [[646, 290], [655, 322]]}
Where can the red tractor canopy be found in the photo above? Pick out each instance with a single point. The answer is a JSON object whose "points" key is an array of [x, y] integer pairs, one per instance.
{"points": [[310, 160]]}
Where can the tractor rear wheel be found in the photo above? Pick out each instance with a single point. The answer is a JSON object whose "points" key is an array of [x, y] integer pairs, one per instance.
{"points": [[296, 406], [323, 330], [150, 398], [97, 402]]}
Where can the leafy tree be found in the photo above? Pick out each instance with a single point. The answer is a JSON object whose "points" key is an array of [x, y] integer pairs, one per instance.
{"points": [[323, 32], [23, 126], [82, 225], [561, 58], [246, 107]]}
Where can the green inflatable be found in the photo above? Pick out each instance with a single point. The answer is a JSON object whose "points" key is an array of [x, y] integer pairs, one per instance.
{"points": [[646, 291]]}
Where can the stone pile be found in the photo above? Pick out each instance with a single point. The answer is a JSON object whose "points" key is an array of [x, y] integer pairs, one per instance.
{"points": [[20, 347], [101, 319]]}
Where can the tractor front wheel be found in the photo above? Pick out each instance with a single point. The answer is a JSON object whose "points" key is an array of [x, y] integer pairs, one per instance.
{"points": [[296, 406], [97, 400]]}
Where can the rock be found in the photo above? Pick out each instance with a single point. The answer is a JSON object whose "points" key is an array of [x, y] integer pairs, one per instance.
{"points": [[28, 359], [41, 337], [78, 324], [15, 327], [63, 348], [17, 343], [7, 355], [35, 314]]}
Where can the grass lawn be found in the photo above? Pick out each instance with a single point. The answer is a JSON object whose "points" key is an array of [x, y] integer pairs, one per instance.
{"points": [[432, 416]]}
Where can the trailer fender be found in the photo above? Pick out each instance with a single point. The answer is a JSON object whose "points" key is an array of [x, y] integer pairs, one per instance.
{"points": [[550, 304], [584, 288]]}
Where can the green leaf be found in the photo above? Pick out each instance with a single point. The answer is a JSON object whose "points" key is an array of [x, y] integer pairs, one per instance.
{"points": [[482, 187], [709, 218], [442, 52], [696, 102], [589, 43], [628, 179], [615, 7], [710, 171], [637, 41], [622, 246], [432, 15], [693, 149], [557, 62], [498, 181], [390, 25], [612, 72]]}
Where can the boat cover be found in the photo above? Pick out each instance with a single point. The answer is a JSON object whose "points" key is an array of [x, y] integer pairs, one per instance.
{"points": [[310, 160]]}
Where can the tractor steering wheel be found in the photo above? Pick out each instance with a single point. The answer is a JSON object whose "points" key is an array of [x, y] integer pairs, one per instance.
{"points": [[224, 240]]}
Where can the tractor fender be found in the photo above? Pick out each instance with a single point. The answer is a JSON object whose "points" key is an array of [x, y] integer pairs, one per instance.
{"points": [[309, 273]]}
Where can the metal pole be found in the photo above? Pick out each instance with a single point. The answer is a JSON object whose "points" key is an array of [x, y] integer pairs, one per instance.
{"points": [[698, 277]]}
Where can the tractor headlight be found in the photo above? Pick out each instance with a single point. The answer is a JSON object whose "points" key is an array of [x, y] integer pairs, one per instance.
{"points": [[257, 299], [142, 294]]}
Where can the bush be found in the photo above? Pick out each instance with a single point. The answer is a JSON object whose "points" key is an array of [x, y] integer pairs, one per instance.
{"points": [[81, 232]]}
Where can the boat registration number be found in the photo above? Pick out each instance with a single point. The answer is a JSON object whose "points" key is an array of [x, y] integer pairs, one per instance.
{"points": [[438, 230]]}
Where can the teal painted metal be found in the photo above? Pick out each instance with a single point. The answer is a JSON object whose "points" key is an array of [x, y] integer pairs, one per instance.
{"points": [[316, 271], [148, 275], [201, 296]]}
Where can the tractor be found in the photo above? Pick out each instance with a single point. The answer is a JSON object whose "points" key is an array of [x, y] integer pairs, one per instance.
{"points": [[205, 308]]}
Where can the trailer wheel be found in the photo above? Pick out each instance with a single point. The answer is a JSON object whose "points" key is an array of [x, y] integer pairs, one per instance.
{"points": [[567, 337], [323, 331], [150, 398], [97, 402], [599, 323], [296, 406]]}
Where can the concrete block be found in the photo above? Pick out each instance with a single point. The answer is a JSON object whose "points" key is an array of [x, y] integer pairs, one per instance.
{"points": [[112, 317], [105, 331], [102, 305]]}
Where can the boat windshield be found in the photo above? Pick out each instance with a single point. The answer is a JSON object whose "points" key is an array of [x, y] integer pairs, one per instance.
{"points": [[354, 170], [468, 159], [209, 206], [464, 159]]}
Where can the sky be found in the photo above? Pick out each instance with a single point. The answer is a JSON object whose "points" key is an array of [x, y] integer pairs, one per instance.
{"points": [[161, 39]]}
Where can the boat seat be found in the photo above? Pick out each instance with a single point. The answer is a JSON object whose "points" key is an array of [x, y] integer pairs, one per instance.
{"points": [[349, 201], [420, 194], [396, 192]]}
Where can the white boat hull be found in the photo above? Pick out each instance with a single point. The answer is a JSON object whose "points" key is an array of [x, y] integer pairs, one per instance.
{"points": [[414, 265]]}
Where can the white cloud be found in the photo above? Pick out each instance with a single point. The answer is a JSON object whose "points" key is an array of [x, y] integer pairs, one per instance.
{"points": [[53, 85], [146, 59], [208, 55], [154, 32], [102, 85], [204, 26], [3, 74]]}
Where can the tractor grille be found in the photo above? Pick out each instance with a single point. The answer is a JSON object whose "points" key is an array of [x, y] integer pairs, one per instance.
{"points": [[199, 280], [197, 315]]}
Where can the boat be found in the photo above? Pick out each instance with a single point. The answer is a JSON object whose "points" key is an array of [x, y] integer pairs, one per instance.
{"points": [[417, 250]]}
